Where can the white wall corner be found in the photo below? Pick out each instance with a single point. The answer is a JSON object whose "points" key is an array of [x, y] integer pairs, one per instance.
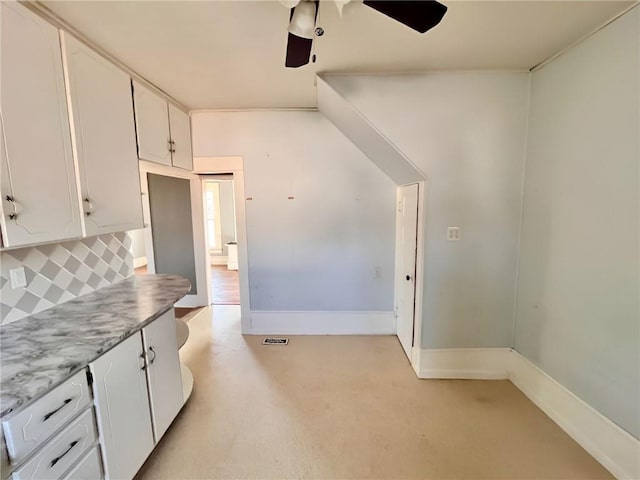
{"points": [[617, 450], [465, 363], [322, 323]]}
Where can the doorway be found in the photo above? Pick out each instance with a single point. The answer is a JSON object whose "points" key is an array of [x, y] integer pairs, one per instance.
{"points": [[222, 245], [408, 268]]}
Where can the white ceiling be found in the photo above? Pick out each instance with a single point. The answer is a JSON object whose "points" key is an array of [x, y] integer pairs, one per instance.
{"points": [[230, 54]]}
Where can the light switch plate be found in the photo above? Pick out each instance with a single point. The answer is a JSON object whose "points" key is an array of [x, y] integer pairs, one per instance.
{"points": [[18, 278], [453, 234]]}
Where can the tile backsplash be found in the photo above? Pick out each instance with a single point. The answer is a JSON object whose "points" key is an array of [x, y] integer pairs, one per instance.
{"points": [[56, 273]]}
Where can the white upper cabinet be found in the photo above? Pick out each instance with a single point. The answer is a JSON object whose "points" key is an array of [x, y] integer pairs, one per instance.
{"points": [[152, 124], [164, 131], [103, 134], [181, 138], [37, 178]]}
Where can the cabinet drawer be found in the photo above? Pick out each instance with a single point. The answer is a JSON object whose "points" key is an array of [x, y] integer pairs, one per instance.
{"points": [[29, 428], [59, 454], [88, 468]]}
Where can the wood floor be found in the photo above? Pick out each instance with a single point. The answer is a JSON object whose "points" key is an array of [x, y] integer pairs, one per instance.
{"points": [[225, 286]]}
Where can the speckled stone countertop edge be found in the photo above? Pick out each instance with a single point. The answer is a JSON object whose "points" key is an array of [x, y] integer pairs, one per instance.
{"points": [[42, 351]]}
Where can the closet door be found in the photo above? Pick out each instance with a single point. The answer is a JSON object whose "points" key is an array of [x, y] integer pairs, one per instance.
{"points": [[152, 126], [105, 142], [181, 137], [37, 178]]}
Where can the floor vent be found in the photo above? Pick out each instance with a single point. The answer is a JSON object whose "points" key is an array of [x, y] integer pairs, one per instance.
{"points": [[275, 341]]}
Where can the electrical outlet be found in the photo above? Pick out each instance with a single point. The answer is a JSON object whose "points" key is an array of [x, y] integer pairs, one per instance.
{"points": [[453, 234], [18, 278]]}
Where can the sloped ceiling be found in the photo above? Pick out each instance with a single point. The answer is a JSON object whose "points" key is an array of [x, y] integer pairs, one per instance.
{"points": [[230, 54]]}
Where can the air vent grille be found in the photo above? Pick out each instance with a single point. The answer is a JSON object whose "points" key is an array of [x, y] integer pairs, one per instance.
{"points": [[275, 341]]}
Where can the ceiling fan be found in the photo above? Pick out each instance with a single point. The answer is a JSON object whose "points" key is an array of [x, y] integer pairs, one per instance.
{"points": [[420, 15]]}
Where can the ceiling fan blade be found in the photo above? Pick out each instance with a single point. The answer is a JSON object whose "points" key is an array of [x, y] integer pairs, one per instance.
{"points": [[302, 22], [298, 51], [420, 15]]}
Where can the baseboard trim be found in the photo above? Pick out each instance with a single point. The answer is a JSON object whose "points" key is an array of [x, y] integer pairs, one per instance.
{"points": [[613, 447], [218, 259], [322, 323], [465, 363], [139, 262]]}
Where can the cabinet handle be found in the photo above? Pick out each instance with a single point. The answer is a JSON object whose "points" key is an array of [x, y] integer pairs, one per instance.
{"points": [[58, 458], [53, 412], [154, 355], [144, 361], [13, 215], [89, 206], [172, 146]]}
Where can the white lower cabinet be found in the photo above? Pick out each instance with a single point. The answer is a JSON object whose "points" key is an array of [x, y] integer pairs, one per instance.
{"points": [[88, 468], [137, 385], [165, 379], [122, 408], [60, 453]]}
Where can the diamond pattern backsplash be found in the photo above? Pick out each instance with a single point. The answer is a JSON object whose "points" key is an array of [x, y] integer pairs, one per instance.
{"points": [[57, 273]]}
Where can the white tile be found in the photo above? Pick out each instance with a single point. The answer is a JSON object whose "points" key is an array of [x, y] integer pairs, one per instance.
{"points": [[39, 285], [60, 255], [83, 273], [63, 279], [35, 259]]}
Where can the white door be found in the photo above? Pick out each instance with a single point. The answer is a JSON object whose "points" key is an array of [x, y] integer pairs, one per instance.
{"points": [[37, 178], [152, 126], [406, 248], [105, 140], [165, 378], [122, 408], [180, 125]]}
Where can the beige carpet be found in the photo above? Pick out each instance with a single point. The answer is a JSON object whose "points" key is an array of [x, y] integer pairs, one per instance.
{"points": [[348, 407]]}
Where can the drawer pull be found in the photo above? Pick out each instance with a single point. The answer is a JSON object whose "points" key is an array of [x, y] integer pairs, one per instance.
{"points": [[51, 414], [57, 459]]}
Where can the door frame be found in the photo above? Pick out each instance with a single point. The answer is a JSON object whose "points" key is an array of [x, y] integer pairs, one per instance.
{"points": [[203, 166], [203, 297], [419, 275]]}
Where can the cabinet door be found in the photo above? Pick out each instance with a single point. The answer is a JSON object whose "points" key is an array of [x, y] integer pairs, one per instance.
{"points": [[36, 164], [122, 408], [103, 131], [181, 137], [152, 126], [165, 378]]}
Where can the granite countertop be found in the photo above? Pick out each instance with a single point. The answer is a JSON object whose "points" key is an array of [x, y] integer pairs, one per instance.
{"points": [[43, 350]]}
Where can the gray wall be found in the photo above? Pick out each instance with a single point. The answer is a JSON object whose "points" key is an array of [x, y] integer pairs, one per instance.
{"points": [[170, 205], [318, 251], [578, 316], [465, 132]]}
